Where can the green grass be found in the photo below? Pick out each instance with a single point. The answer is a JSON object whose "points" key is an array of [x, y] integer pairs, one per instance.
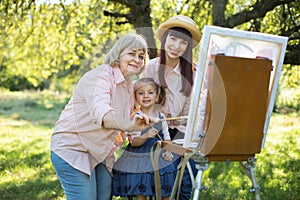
{"points": [[277, 167], [27, 120]]}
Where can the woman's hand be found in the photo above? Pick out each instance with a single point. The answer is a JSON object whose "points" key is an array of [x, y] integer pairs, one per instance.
{"points": [[180, 121], [142, 121], [143, 118]]}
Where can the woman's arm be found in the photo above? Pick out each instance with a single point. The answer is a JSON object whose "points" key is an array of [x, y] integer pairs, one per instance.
{"points": [[113, 120]]}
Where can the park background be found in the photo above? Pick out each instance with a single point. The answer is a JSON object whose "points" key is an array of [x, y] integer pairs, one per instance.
{"points": [[46, 46]]}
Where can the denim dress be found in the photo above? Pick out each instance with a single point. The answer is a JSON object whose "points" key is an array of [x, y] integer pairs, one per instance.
{"points": [[133, 173]]}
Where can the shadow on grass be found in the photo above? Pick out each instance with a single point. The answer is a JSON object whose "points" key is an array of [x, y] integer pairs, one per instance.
{"points": [[29, 173], [280, 180], [277, 180], [36, 110], [34, 189], [277, 172]]}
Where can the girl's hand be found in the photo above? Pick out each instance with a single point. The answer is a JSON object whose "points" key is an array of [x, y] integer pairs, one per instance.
{"points": [[168, 156], [152, 133]]}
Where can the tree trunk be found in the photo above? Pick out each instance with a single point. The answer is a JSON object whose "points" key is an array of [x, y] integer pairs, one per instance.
{"points": [[139, 17]]}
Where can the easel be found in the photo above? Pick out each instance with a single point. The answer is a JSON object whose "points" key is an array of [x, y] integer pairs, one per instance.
{"points": [[242, 92], [246, 83]]}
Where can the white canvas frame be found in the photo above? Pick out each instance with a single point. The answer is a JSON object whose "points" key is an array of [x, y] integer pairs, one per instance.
{"points": [[261, 45]]}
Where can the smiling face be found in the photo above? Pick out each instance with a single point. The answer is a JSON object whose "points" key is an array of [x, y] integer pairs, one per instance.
{"points": [[175, 47], [146, 96], [131, 61]]}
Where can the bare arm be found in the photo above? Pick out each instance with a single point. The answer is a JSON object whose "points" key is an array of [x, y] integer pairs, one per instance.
{"points": [[140, 140]]}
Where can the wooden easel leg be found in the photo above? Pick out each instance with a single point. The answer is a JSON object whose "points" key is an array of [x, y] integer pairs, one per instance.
{"points": [[249, 170], [176, 183]]}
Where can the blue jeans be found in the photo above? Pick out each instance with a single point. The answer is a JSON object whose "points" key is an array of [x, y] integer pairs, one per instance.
{"points": [[80, 186], [186, 187]]}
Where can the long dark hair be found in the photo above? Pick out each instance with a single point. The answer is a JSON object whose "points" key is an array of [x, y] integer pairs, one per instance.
{"points": [[185, 60]]}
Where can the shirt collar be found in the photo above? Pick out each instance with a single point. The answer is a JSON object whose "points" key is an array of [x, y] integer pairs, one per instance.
{"points": [[118, 76], [120, 79], [176, 69]]}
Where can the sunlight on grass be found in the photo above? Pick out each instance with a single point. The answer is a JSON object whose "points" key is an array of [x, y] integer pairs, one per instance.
{"points": [[18, 175], [26, 161], [27, 121], [25, 168], [277, 167]]}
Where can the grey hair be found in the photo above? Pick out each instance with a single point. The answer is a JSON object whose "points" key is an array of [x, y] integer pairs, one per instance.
{"points": [[131, 41]]}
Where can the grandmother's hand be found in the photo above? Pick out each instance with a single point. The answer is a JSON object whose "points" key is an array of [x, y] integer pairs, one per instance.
{"points": [[142, 121]]}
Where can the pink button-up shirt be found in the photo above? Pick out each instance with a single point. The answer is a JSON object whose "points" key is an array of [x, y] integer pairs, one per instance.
{"points": [[78, 136], [177, 104]]}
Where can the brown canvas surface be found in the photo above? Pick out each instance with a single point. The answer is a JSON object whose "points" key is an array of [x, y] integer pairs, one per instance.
{"points": [[246, 83]]}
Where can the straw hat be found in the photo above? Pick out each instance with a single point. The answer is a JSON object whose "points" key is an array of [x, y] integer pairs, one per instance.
{"points": [[183, 22]]}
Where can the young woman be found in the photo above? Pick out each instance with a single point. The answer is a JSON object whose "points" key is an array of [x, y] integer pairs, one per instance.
{"points": [[133, 174], [175, 71], [174, 68], [83, 137]]}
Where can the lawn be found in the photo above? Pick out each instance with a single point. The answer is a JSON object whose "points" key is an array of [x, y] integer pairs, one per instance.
{"points": [[27, 120]]}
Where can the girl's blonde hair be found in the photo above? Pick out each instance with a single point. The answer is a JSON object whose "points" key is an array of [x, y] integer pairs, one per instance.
{"points": [[131, 41], [150, 81]]}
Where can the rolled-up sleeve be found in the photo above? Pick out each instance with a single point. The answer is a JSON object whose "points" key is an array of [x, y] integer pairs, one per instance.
{"points": [[102, 98], [96, 89]]}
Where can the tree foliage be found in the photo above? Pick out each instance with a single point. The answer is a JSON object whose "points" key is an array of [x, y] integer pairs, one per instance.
{"points": [[46, 44]]}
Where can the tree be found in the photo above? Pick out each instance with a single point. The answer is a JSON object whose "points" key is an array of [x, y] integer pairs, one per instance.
{"points": [[285, 10], [52, 44], [248, 15], [43, 43], [139, 16]]}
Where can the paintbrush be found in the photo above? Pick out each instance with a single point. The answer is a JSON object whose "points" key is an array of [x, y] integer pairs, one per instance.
{"points": [[173, 118]]}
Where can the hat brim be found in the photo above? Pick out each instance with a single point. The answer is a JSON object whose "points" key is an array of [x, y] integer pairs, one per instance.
{"points": [[177, 23]]}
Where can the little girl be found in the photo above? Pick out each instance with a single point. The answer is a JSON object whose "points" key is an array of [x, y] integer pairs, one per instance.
{"points": [[174, 70], [133, 174]]}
